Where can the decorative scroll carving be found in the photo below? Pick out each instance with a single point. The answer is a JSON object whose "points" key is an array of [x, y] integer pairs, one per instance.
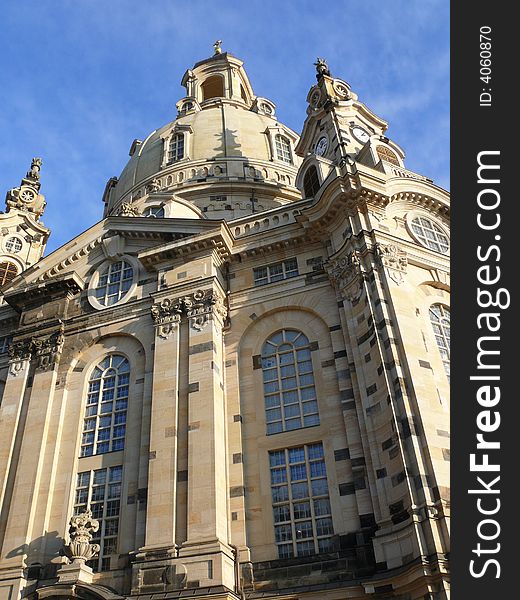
{"points": [[154, 186], [166, 316], [201, 305], [347, 275], [46, 350], [19, 353], [128, 210], [198, 307], [395, 260], [79, 549]]}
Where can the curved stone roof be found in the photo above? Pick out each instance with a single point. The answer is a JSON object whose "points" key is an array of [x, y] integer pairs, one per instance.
{"points": [[229, 149]]}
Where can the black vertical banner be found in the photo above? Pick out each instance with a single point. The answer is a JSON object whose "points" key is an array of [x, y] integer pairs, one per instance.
{"points": [[485, 352]]}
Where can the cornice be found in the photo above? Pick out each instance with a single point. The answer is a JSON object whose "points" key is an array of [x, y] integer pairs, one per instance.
{"points": [[219, 240], [42, 292]]}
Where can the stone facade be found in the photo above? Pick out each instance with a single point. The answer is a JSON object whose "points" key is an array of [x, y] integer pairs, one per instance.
{"points": [[241, 371]]}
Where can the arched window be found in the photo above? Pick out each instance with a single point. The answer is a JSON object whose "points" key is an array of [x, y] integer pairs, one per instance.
{"points": [[440, 319], [311, 182], [213, 87], [289, 392], [8, 271], [156, 212], [114, 282], [104, 425], [430, 234], [385, 153], [176, 148], [283, 148]]}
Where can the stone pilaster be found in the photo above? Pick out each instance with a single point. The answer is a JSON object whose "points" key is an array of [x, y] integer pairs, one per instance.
{"points": [[10, 415], [23, 525], [207, 460], [162, 474]]}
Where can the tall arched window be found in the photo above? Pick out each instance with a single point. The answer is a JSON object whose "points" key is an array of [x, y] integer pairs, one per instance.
{"points": [[213, 87], [8, 271], [176, 148], [104, 426], [440, 319], [311, 182], [289, 392], [283, 148]]}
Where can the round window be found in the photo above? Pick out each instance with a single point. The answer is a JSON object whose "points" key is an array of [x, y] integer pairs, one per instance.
{"points": [[430, 234], [115, 280], [13, 245]]}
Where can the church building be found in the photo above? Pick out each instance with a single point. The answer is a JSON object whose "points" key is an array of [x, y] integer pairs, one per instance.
{"points": [[235, 385]]}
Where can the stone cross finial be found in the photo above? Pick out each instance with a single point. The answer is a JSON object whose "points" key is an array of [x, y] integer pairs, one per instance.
{"points": [[26, 196], [217, 45], [322, 68], [81, 527], [34, 173]]}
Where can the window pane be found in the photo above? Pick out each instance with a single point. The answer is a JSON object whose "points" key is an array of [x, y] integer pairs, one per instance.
{"points": [[281, 513]]}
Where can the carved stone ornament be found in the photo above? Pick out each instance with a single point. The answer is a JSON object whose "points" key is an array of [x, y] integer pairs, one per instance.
{"points": [[347, 275], [342, 90], [201, 305], [46, 351], [81, 527], [395, 260], [26, 196], [322, 68], [198, 307], [154, 186], [166, 316], [128, 210]]}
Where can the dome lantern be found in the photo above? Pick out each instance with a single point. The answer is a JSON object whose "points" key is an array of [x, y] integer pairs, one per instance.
{"points": [[221, 76]]}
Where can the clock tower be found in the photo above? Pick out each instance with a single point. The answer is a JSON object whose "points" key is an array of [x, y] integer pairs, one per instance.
{"points": [[339, 128], [22, 235]]}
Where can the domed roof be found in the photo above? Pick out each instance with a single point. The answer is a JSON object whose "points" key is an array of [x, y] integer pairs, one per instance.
{"points": [[224, 142]]}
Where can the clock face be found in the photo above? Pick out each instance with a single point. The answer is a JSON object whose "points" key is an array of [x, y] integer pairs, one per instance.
{"points": [[360, 134], [321, 146]]}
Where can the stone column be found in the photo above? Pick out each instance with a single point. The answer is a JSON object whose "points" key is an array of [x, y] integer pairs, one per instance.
{"points": [[162, 474]]}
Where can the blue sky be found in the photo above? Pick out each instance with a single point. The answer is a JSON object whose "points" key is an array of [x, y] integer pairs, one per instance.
{"points": [[81, 79]]}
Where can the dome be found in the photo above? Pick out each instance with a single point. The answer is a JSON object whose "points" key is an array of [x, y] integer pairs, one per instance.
{"points": [[226, 152]]}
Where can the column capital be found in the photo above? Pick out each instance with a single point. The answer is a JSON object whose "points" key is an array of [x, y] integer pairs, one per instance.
{"points": [[346, 274], [46, 350], [394, 259], [203, 304], [166, 316]]}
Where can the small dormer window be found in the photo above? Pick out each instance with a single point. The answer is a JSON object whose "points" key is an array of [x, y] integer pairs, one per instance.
{"points": [[283, 148], [213, 87], [176, 148], [385, 153], [311, 182]]}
